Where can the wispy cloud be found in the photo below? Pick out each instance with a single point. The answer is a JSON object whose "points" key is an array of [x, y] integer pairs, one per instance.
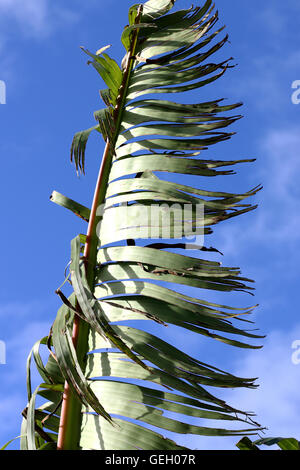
{"points": [[33, 20], [35, 17], [30, 15], [277, 220], [13, 394], [283, 163], [269, 66], [268, 83], [276, 17], [276, 401]]}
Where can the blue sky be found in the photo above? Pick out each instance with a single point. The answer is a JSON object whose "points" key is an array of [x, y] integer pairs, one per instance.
{"points": [[52, 93]]}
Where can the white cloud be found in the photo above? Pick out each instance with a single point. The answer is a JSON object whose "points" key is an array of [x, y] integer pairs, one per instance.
{"points": [[30, 19], [276, 401], [18, 346], [279, 218], [269, 70], [11, 407], [268, 83], [36, 17], [32, 12], [283, 163], [276, 222], [21, 325], [275, 18], [13, 396]]}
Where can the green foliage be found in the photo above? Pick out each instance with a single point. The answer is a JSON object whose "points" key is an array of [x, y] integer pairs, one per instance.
{"points": [[282, 442]]}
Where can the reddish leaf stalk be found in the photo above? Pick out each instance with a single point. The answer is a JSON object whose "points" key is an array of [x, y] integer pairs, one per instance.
{"points": [[69, 432]]}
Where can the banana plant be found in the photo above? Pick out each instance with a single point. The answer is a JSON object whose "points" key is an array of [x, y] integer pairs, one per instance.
{"points": [[108, 384]]}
